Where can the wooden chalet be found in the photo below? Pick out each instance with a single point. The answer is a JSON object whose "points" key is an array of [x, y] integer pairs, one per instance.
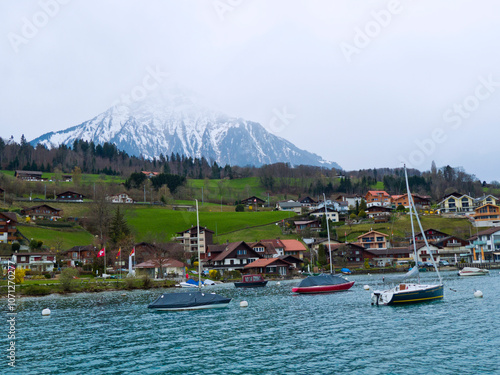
{"points": [[270, 266], [349, 254], [431, 235], [28, 175], [373, 240], [252, 201], [43, 211], [235, 256], [43, 262], [302, 225], [83, 254], [386, 257], [8, 227], [307, 202], [70, 196], [378, 211], [293, 260]]}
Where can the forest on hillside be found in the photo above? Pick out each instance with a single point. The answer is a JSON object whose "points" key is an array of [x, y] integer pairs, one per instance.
{"points": [[280, 178]]}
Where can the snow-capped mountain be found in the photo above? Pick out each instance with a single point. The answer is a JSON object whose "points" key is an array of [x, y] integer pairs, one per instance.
{"points": [[172, 121]]}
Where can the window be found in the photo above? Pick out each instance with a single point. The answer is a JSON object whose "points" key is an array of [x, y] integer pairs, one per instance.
{"points": [[241, 252]]}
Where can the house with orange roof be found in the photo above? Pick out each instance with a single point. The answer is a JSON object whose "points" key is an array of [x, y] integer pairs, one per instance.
{"points": [[271, 266], [373, 240], [294, 247], [377, 198]]}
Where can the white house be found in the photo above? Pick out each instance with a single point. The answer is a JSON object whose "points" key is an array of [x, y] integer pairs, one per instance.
{"points": [[120, 198], [35, 261]]}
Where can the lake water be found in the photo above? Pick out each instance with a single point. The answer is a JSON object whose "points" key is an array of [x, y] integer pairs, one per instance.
{"points": [[279, 333]]}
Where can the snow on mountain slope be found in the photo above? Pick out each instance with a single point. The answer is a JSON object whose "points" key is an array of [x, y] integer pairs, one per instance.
{"points": [[173, 121]]}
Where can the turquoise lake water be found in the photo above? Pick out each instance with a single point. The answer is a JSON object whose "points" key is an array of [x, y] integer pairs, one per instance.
{"points": [[279, 333]]}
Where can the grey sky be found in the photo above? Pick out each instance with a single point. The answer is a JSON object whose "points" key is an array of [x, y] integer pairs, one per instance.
{"points": [[363, 83]]}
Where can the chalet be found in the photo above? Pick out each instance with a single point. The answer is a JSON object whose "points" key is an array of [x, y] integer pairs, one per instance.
{"points": [[378, 211], [82, 254], [44, 211], [213, 251], [43, 262], [253, 201], [486, 216], [488, 199], [235, 256], [120, 198], [277, 246], [373, 240], [189, 239], [431, 235], [294, 247], [302, 225], [485, 246], [155, 268], [70, 196], [264, 249], [421, 201], [271, 266], [453, 249], [331, 214], [457, 203], [67, 177], [377, 198], [28, 175], [308, 202], [351, 254], [289, 206], [8, 227], [294, 261]]}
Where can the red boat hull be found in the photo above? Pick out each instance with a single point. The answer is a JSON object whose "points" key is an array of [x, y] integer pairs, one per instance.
{"points": [[323, 288]]}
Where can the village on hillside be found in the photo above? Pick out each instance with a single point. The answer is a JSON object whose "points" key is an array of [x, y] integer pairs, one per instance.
{"points": [[278, 257]]}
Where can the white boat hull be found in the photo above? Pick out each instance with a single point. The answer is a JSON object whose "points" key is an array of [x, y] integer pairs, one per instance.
{"points": [[472, 271]]}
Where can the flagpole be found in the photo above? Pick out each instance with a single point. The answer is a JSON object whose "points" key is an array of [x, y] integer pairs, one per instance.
{"points": [[120, 265]]}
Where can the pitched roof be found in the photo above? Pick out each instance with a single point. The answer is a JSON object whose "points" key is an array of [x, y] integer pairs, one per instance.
{"points": [[9, 215], [229, 249], [373, 231], [485, 232], [293, 245], [43, 205], [377, 192], [264, 262]]}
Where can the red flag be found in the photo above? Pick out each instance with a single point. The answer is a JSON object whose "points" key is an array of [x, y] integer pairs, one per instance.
{"points": [[101, 252], [119, 252], [132, 253]]}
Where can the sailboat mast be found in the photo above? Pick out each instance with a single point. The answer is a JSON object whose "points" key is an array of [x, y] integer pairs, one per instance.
{"points": [[198, 242], [410, 201], [328, 232]]}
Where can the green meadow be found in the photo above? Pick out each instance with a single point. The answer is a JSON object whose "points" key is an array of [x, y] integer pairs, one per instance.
{"points": [[54, 238]]}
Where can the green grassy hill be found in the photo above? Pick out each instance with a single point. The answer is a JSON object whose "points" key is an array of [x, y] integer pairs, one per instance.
{"points": [[55, 238]]}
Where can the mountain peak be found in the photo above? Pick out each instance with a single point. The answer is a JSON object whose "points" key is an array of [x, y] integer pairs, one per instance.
{"points": [[171, 119]]}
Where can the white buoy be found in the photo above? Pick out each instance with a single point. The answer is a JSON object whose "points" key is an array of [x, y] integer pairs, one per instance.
{"points": [[369, 274], [366, 287], [478, 294], [278, 283], [46, 312], [243, 304], [124, 294]]}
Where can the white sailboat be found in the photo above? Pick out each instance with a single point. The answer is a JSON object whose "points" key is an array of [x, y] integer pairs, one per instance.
{"points": [[403, 292], [194, 300]]}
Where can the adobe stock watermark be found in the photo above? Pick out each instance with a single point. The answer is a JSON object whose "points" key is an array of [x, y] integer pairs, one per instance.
{"points": [[364, 36], [222, 7], [150, 82], [31, 26], [454, 116], [280, 120]]}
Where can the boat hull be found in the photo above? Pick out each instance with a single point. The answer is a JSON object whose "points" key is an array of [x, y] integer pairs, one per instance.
{"points": [[189, 301], [323, 288], [413, 293], [256, 284], [472, 271]]}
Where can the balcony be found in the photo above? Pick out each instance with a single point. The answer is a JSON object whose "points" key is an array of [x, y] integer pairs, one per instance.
{"points": [[477, 242], [470, 246]]}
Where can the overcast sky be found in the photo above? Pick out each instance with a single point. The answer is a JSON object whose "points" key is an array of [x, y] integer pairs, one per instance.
{"points": [[362, 83]]}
